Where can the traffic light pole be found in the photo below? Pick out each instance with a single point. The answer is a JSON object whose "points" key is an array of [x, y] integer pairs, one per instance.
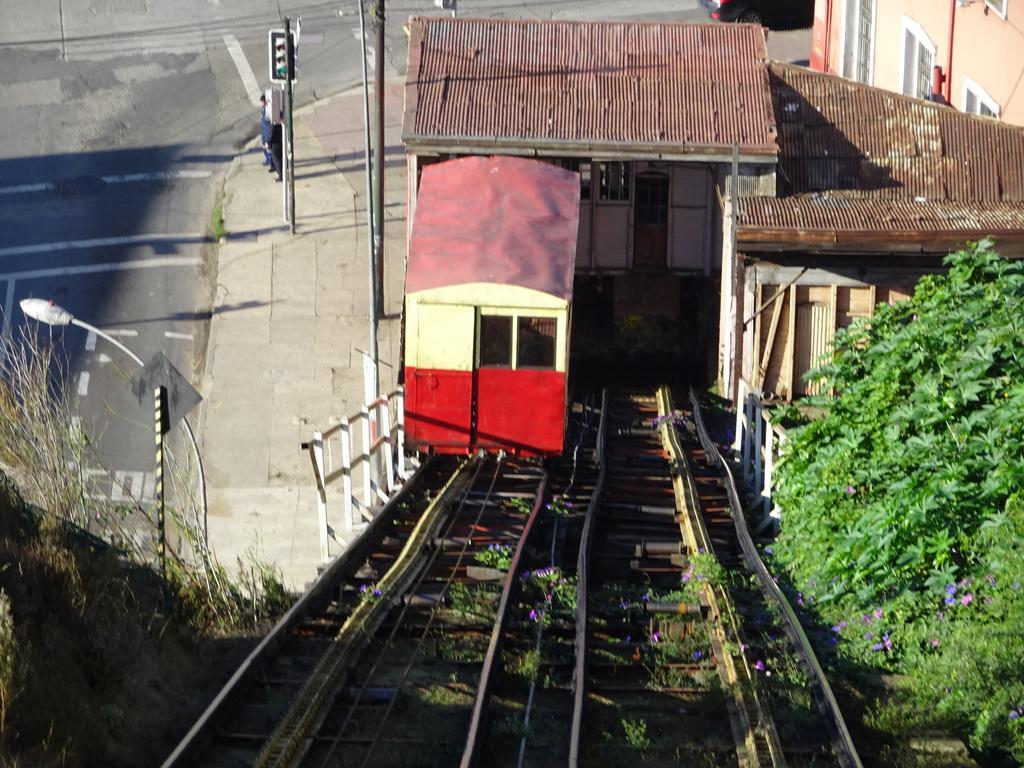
{"points": [[370, 217], [378, 154], [290, 161]]}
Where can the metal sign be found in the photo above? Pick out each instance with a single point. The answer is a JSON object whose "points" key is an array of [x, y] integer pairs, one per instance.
{"points": [[181, 396]]}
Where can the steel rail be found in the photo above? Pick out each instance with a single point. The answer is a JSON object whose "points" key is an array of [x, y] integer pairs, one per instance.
{"points": [[289, 739], [694, 532], [319, 594], [426, 630], [474, 736], [579, 675], [846, 751]]}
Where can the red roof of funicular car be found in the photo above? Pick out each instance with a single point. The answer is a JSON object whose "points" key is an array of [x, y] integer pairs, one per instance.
{"points": [[505, 220]]}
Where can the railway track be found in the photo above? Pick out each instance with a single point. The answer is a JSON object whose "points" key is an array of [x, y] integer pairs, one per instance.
{"points": [[497, 612], [406, 609]]}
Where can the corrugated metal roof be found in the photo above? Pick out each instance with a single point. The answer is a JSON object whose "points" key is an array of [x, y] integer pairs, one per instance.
{"points": [[857, 158], [529, 83], [807, 213], [504, 220]]}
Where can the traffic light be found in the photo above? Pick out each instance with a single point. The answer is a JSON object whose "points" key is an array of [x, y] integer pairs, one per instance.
{"points": [[282, 56]]}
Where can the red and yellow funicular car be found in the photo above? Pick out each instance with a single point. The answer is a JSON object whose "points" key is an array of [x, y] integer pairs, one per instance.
{"points": [[487, 293]]}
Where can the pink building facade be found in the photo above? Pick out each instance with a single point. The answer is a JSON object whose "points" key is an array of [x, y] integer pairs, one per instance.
{"points": [[966, 53]]}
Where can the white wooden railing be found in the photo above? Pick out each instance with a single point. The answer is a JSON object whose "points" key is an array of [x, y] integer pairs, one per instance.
{"points": [[756, 447], [358, 464]]}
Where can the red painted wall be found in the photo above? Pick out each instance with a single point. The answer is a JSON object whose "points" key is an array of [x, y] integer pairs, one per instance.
{"points": [[438, 409], [522, 411]]}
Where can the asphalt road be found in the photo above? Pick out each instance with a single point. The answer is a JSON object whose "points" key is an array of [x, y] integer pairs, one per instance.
{"points": [[120, 118]]}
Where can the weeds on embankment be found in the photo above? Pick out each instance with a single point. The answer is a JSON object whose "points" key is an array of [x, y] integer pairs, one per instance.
{"points": [[97, 649]]}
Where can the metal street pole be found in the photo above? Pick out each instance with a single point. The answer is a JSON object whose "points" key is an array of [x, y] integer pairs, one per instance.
{"points": [[371, 241], [290, 164], [378, 158], [159, 409], [49, 313]]}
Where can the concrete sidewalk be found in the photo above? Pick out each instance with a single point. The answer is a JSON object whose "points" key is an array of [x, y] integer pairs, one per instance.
{"points": [[289, 315]]}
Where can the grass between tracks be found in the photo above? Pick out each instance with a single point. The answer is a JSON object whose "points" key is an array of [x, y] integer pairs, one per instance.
{"points": [[103, 661]]}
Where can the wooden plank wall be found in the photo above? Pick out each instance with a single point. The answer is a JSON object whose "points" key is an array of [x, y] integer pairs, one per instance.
{"points": [[794, 329]]}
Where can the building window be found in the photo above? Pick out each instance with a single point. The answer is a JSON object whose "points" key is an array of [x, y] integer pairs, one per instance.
{"points": [[614, 181], [918, 59], [859, 39], [495, 341], [999, 6], [536, 343], [977, 101], [582, 167], [652, 200]]}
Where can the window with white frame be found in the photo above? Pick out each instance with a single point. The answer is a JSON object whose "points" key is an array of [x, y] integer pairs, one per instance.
{"points": [[918, 59], [977, 101], [999, 6], [858, 39]]}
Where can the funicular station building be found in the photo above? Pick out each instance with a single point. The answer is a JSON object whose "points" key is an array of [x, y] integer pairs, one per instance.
{"points": [[733, 212]]}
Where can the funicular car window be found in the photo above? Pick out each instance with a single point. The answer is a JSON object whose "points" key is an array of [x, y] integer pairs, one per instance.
{"points": [[495, 341], [536, 342]]}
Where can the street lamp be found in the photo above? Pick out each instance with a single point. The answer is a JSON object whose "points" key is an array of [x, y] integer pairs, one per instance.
{"points": [[50, 313]]}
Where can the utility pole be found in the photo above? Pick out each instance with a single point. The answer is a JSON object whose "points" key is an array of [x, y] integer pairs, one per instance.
{"points": [[370, 218], [378, 158], [290, 160]]}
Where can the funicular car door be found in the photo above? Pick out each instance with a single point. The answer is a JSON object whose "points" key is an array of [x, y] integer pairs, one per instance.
{"points": [[443, 375]]}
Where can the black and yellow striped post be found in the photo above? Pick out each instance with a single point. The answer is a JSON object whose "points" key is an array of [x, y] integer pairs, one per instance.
{"points": [[161, 427]]}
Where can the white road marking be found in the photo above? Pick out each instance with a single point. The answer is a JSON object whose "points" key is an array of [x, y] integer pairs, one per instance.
{"points": [[174, 335], [5, 334], [244, 70], [99, 242], [148, 486], [83, 383], [127, 178], [90, 341], [122, 178], [103, 359], [371, 53], [22, 189], [114, 266], [127, 485], [120, 332]]}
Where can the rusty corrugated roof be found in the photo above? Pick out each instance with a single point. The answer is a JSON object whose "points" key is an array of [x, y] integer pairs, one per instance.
{"points": [[669, 88], [854, 158]]}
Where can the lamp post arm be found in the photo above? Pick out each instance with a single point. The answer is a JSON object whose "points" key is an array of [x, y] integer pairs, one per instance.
{"points": [[108, 337]]}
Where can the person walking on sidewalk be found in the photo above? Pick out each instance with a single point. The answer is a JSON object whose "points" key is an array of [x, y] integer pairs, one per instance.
{"points": [[275, 149], [265, 131]]}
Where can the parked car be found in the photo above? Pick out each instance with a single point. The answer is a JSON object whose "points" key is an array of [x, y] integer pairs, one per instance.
{"points": [[760, 11]]}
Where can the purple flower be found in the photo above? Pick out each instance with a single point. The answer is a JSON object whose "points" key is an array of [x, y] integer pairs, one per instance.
{"points": [[878, 613], [697, 655], [646, 597], [769, 551], [800, 600], [1014, 714], [950, 600], [851, 490], [759, 665], [526, 575], [967, 599], [951, 589], [656, 637], [568, 504], [624, 604], [935, 642], [362, 589], [377, 593], [629, 638], [533, 614]]}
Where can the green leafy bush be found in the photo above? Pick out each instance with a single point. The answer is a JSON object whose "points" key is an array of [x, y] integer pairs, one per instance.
{"points": [[900, 519]]}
